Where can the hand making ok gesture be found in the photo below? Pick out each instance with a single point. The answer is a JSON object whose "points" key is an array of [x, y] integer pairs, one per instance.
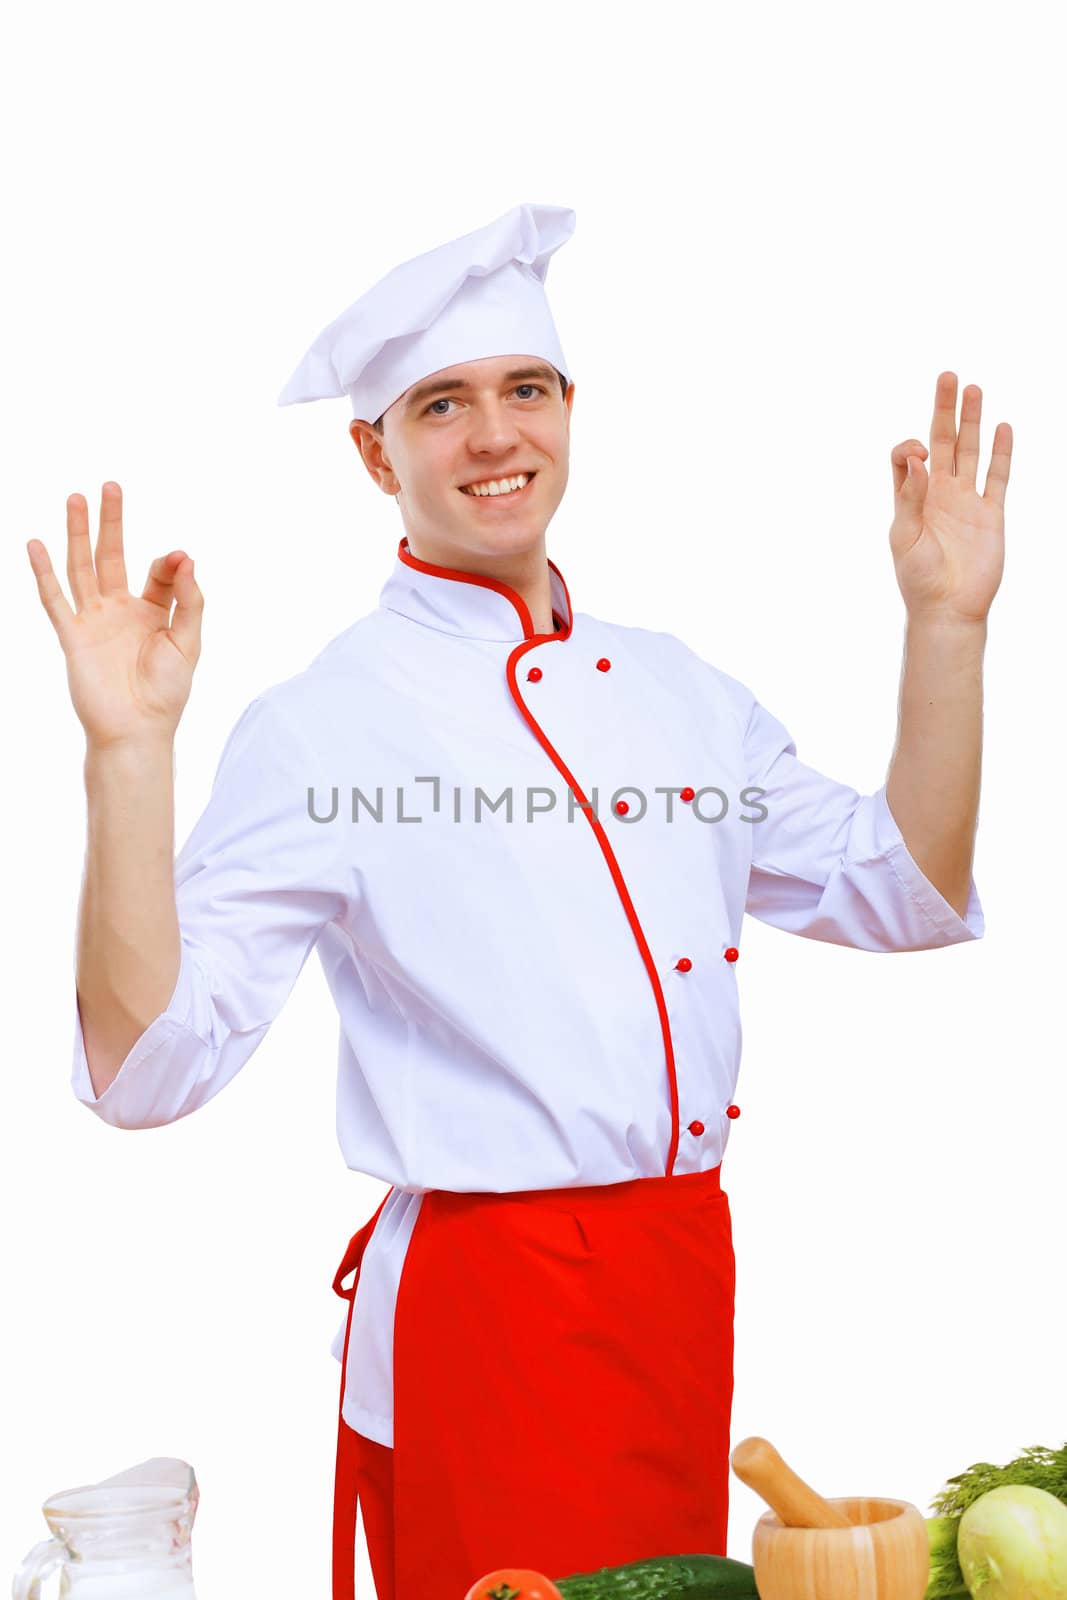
{"points": [[129, 664], [947, 539]]}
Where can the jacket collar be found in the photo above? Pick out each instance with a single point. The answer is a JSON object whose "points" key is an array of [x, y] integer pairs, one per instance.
{"points": [[465, 603]]}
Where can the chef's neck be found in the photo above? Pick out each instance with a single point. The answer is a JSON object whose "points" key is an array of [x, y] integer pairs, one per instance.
{"points": [[525, 571]]}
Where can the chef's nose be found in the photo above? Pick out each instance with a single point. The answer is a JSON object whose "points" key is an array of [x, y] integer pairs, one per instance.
{"points": [[491, 431]]}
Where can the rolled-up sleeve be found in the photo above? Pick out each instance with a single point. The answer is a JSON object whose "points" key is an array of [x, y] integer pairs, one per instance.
{"points": [[830, 863], [255, 884]]}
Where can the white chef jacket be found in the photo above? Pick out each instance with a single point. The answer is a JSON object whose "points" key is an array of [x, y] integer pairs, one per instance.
{"points": [[512, 1010]]}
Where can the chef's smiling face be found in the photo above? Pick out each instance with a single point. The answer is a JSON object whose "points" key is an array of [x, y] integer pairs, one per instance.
{"points": [[475, 423]]}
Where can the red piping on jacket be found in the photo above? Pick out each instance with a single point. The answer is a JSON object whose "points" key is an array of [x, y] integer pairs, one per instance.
{"points": [[530, 640]]}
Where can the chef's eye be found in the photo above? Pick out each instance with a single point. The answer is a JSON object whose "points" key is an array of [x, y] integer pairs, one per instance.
{"points": [[443, 400]]}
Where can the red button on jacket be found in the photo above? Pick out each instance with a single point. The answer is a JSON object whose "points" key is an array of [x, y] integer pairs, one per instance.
{"points": [[534, 674], [603, 665], [731, 954], [622, 807], [684, 965], [688, 794], [733, 1111], [697, 1128]]}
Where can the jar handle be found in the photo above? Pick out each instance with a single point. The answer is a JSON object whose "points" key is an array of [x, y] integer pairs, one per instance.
{"points": [[37, 1565]]}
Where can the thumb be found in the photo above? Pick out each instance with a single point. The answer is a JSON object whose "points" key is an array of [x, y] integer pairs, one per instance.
{"points": [[188, 610], [913, 489]]}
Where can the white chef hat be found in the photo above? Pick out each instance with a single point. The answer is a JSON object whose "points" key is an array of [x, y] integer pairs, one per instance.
{"points": [[479, 295]]}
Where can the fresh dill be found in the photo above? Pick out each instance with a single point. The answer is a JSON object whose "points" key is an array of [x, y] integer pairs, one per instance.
{"points": [[1039, 1466]]}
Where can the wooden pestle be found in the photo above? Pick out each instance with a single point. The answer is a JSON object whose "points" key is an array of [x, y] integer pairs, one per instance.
{"points": [[757, 1463]]}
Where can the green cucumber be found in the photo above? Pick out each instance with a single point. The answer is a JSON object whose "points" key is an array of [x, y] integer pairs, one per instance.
{"points": [[664, 1578]]}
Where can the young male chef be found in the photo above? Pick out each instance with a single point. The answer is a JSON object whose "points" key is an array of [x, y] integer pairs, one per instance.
{"points": [[522, 840]]}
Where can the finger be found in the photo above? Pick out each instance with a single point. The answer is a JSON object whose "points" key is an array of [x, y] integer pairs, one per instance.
{"points": [[943, 427], [996, 481], [80, 573], [159, 587], [899, 458], [48, 587], [911, 501], [185, 628], [967, 443], [110, 562]]}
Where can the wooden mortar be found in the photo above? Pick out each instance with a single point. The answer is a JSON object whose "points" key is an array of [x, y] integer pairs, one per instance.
{"points": [[855, 1547]]}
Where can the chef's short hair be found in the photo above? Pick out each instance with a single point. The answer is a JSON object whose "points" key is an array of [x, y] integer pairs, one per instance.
{"points": [[562, 383]]}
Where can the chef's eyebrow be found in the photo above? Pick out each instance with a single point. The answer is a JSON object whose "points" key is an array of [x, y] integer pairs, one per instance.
{"points": [[448, 385]]}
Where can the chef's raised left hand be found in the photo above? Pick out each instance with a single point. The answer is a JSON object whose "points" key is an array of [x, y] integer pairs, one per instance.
{"points": [[947, 539]]}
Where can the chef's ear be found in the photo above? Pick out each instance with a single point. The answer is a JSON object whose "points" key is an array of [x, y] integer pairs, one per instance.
{"points": [[371, 446]]}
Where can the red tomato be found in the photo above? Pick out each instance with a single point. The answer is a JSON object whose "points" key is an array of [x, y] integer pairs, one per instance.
{"points": [[513, 1583]]}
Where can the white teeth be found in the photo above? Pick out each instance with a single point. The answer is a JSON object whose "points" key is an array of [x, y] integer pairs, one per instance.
{"points": [[497, 485]]}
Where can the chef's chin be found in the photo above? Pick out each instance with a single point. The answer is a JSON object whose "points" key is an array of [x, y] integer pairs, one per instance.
{"points": [[510, 538]]}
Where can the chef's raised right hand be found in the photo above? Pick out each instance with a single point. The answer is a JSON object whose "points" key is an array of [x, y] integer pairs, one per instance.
{"points": [[129, 663]]}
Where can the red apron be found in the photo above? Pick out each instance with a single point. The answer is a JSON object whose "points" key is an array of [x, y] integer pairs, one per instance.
{"points": [[562, 1383]]}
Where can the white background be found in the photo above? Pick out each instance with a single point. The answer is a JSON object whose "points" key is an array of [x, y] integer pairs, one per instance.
{"points": [[790, 220]]}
